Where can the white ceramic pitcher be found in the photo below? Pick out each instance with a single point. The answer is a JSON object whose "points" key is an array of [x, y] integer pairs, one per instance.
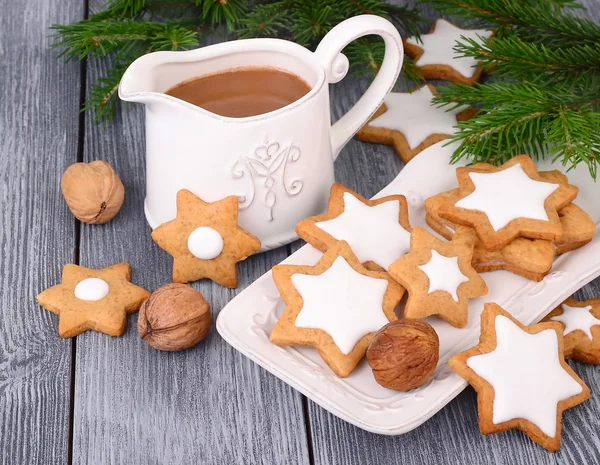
{"points": [[279, 164]]}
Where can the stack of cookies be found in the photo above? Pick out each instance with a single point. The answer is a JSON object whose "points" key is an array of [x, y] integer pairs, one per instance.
{"points": [[520, 219]]}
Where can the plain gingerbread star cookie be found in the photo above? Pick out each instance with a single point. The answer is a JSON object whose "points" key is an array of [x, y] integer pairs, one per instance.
{"points": [[88, 299], [205, 240], [435, 55], [438, 277], [410, 122], [521, 377], [581, 328], [377, 231], [508, 201], [335, 306]]}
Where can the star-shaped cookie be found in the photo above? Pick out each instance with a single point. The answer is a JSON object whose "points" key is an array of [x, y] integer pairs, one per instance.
{"points": [[439, 277], [410, 123], [509, 201], [205, 240], [335, 306], [521, 377], [581, 328], [435, 55], [378, 231], [88, 299]]}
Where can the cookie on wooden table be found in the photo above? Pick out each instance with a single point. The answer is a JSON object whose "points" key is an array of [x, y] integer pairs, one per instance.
{"points": [[378, 230], [508, 201], [438, 277], [581, 328], [205, 240], [335, 306], [521, 377], [410, 122], [435, 57], [98, 300]]}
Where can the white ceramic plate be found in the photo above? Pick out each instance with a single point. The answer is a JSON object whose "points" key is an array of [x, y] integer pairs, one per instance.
{"points": [[247, 320]]}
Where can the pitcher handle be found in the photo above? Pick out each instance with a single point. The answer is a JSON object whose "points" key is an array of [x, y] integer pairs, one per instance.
{"points": [[336, 66]]}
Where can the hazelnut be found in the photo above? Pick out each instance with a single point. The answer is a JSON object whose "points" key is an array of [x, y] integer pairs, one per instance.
{"points": [[404, 354], [93, 191], [174, 317]]}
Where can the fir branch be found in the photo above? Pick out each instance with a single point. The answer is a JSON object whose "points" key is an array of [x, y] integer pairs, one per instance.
{"points": [[366, 55], [270, 20], [312, 19], [228, 12]]}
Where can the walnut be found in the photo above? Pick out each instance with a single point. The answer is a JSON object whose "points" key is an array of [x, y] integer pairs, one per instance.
{"points": [[404, 354], [174, 317], [93, 191]]}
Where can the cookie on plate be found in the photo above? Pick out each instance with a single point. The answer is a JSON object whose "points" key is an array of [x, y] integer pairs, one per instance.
{"points": [[410, 122], [205, 240], [581, 328], [435, 57], [335, 306], [508, 201], [377, 231], [438, 277], [98, 300], [521, 377]]}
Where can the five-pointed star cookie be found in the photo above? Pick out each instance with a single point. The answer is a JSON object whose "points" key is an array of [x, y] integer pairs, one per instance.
{"points": [[93, 299], [438, 277], [581, 328], [335, 306], [435, 55], [509, 201], [410, 122], [376, 230], [205, 240], [521, 377]]}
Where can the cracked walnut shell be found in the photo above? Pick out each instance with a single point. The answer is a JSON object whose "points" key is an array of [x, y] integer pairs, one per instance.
{"points": [[174, 317], [404, 354], [93, 191]]}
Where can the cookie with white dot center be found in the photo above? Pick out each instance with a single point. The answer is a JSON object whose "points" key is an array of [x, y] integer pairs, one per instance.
{"points": [[581, 328], [436, 58], [98, 300], [410, 123], [205, 240]]}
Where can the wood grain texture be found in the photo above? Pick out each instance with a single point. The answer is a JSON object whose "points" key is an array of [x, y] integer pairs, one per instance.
{"points": [[38, 127], [136, 405]]}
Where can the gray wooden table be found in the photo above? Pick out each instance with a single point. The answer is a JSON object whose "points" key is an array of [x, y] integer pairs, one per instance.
{"points": [[100, 400]]}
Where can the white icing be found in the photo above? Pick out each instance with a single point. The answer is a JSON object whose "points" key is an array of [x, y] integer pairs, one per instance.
{"points": [[507, 195], [438, 47], [373, 233], [342, 302], [444, 274], [415, 117], [575, 318], [91, 289], [205, 243], [525, 372]]}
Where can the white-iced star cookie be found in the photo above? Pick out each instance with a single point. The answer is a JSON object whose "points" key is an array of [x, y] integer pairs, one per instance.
{"points": [[521, 377], [410, 122], [507, 202], [376, 230], [435, 55], [335, 306], [581, 328]]}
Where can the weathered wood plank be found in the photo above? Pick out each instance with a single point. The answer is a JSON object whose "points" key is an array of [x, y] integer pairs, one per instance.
{"points": [[39, 127], [136, 405]]}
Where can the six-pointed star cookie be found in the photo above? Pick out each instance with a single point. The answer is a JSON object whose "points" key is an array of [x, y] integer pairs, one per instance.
{"points": [[93, 299], [439, 277], [205, 240], [581, 328], [507, 202], [521, 377], [436, 57], [410, 122], [376, 230], [335, 306]]}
